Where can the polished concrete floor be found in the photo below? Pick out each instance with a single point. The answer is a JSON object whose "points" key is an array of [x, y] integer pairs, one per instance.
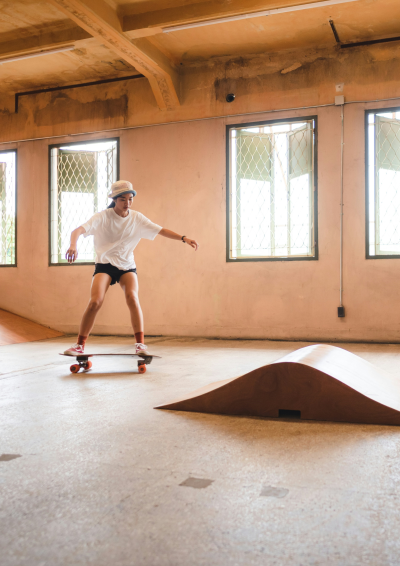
{"points": [[91, 474]]}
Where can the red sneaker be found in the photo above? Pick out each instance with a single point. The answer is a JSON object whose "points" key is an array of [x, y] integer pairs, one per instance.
{"points": [[141, 349], [75, 350]]}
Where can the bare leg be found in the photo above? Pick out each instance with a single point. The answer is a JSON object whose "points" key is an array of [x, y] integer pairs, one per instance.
{"points": [[100, 285], [130, 286]]}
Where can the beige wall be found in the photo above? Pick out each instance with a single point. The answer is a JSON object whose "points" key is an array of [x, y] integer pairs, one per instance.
{"points": [[179, 172]]}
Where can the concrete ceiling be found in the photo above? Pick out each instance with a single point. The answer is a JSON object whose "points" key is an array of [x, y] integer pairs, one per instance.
{"points": [[115, 38], [354, 22]]}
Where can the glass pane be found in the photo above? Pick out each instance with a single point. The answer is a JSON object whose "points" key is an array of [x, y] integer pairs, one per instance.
{"points": [[77, 171], [254, 156], [280, 199], [301, 204], [81, 177], [388, 144], [389, 211], [300, 155], [255, 202], [7, 208], [300, 221], [371, 183], [76, 208], [384, 184], [271, 198]]}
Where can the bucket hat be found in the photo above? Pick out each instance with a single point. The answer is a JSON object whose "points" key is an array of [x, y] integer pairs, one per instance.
{"points": [[120, 187]]}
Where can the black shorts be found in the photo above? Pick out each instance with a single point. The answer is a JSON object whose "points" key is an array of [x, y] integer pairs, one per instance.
{"points": [[112, 271]]}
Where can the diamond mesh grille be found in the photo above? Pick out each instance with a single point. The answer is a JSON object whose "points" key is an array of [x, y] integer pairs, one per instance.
{"points": [[80, 180], [7, 208], [384, 183], [271, 191]]}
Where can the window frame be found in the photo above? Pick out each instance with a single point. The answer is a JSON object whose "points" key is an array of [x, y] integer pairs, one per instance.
{"points": [[229, 127], [367, 187], [58, 145], [16, 208]]}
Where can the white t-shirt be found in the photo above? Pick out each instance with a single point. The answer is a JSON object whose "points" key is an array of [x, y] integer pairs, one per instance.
{"points": [[115, 237]]}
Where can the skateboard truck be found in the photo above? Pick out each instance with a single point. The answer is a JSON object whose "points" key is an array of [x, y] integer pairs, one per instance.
{"points": [[142, 364], [83, 362]]}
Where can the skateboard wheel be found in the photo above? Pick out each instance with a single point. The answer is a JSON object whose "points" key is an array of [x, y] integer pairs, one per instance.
{"points": [[88, 365], [75, 368], [142, 368]]}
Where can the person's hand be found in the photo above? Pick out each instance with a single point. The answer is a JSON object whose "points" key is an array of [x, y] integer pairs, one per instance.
{"points": [[192, 243], [72, 254]]}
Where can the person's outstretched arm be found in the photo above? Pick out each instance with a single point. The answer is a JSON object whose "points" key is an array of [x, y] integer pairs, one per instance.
{"points": [[174, 236], [72, 252]]}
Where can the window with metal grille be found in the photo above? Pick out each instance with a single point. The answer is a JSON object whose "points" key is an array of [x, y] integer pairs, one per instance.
{"points": [[8, 208], [80, 179], [383, 183], [272, 190]]}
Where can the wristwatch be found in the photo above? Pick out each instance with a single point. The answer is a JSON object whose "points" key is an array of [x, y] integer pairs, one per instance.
{"points": [[183, 239]]}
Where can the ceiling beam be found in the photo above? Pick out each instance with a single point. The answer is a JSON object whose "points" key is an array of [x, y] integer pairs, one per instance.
{"points": [[152, 23], [34, 43], [100, 20]]}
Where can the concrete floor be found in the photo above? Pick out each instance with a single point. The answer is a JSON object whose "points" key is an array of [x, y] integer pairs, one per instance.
{"points": [[99, 473]]}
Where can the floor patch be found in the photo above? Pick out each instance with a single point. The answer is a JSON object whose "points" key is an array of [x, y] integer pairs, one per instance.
{"points": [[269, 491], [197, 483], [8, 457]]}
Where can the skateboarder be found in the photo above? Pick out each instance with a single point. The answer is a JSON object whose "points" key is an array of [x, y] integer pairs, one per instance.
{"points": [[117, 231]]}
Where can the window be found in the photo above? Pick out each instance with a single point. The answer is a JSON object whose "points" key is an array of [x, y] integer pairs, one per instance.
{"points": [[383, 183], [8, 208], [80, 179], [271, 196]]}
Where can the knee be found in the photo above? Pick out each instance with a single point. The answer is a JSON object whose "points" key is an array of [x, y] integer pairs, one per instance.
{"points": [[95, 304], [132, 299]]}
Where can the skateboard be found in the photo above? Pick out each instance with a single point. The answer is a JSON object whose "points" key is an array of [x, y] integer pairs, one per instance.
{"points": [[86, 364]]}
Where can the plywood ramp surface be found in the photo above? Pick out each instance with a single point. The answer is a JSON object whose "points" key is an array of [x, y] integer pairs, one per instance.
{"points": [[16, 329], [319, 382]]}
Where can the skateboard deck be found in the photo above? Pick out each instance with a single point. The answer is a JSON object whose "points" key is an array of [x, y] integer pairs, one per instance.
{"points": [[84, 363]]}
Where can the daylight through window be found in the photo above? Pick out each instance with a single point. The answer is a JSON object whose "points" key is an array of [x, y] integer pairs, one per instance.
{"points": [[271, 190], [383, 182], [7, 207], [81, 177]]}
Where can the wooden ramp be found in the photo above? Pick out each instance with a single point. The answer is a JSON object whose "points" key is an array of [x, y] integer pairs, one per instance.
{"points": [[320, 382], [16, 329]]}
